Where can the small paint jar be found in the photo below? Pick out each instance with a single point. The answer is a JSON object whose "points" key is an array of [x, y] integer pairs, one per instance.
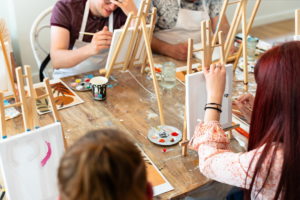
{"points": [[99, 87]]}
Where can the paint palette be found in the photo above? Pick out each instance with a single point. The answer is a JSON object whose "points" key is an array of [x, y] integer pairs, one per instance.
{"points": [[164, 135], [80, 84]]}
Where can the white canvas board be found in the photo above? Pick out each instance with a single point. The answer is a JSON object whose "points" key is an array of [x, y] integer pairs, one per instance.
{"points": [[29, 163], [196, 97], [4, 76], [158, 189], [215, 56], [296, 37], [124, 48]]}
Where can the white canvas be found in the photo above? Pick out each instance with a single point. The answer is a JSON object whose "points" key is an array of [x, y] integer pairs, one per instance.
{"points": [[215, 56], [124, 48], [296, 37], [5, 84], [196, 97], [29, 163]]}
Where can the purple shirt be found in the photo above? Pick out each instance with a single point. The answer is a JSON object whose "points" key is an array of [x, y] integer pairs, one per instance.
{"points": [[68, 14]]}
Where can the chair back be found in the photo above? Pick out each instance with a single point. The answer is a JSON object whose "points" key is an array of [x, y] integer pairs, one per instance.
{"points": [[40, 52]]}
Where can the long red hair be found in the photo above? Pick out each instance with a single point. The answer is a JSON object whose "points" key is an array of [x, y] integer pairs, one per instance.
{"points": [[276, 115]]}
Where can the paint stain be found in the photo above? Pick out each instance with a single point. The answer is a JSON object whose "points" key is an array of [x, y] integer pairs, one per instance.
{"points": [[154, 137], [44, 161], [162, 140], [110, 86], [152, 115], [174, 134], [195, 162]]}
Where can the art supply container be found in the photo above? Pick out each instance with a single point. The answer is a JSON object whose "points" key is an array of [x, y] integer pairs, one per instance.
{"points": [[168, 75], [251, 46], [99, 87]]}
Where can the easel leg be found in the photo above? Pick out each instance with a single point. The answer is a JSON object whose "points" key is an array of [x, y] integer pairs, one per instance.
{"points": [[149, 52], [244, 3], [230, 135], [2, 117]]}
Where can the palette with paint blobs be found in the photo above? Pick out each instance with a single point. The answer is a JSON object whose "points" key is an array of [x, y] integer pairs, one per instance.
{"points": [[164, 135], [80, 84]]}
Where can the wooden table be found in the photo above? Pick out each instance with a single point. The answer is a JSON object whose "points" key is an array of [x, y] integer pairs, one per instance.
{"points": [[127, 108]]}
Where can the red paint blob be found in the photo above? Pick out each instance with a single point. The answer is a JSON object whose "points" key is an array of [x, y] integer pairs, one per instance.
{"points": [[87, 80], [164, 150], [161, 140], [174, 134]]}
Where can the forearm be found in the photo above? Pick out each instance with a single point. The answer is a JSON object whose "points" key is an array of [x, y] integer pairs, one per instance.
{"points": [[62, 58], [161, 47]]}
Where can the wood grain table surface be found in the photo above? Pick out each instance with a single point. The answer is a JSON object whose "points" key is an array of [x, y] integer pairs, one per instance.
{"points": [[127, 108]]}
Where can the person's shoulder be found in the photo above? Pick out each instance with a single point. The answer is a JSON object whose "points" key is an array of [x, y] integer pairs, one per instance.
{"points": [[71, 3]]}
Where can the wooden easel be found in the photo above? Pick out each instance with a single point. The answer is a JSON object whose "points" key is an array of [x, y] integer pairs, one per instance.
{"points": [[8, 67], [207, 50], [140, 22], [240, 15], [297, 22], [28, 104]]}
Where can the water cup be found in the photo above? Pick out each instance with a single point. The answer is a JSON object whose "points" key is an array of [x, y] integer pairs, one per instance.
{"points": [[99, 87], [251, 46], [168, 75]]}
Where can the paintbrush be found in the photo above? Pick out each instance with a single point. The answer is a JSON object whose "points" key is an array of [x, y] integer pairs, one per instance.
{"points": [[86, 33], [2, 195], [234, 100]]}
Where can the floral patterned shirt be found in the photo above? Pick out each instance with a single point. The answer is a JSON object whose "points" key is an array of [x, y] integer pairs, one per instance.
{"points": [[167, 10], [218, 162]]}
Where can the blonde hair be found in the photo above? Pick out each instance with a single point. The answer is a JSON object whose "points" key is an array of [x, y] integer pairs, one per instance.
{"points": [[102, 165]]}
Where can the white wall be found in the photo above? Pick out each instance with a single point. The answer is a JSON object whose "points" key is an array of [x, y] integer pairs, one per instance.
{"points": [[20, 15]]}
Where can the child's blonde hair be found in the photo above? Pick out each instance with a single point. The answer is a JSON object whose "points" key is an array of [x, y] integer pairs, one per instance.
{"points": [[102, 165]]}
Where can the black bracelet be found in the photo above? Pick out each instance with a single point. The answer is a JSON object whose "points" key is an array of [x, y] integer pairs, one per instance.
{"points": [[213, 108], [213, 104]]}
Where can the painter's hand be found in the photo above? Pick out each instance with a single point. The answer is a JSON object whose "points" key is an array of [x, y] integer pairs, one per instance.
{"points": [[215, 82], [178, 51], [101, 40], [245, 100], [126, 5]]}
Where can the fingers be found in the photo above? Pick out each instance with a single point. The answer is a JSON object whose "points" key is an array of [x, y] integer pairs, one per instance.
{"points": [[205, 71], [245, 97], [103, 42], [116, 3], [212, 67], [245, 111]]}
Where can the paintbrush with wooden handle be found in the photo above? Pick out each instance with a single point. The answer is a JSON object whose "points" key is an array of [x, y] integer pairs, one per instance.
{"points": [[234, 100]]}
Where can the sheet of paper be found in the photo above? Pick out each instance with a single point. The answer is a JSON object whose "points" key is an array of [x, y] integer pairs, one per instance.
{"points": [[64, 97], [196, 98], [29, 163], [10, 112], [159, 183]]}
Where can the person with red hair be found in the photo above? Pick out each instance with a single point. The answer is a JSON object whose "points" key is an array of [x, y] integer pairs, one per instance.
{"points": [[270, 167]]}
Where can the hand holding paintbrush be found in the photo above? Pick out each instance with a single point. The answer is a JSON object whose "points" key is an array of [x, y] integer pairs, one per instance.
{"points": [[245, 104]]}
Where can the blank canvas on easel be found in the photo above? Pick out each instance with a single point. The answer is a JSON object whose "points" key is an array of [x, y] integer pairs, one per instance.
{"points": [[5, 84], [124, 48], [29, 163], [196, 98]]}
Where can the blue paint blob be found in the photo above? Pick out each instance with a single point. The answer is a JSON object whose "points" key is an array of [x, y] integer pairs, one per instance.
{"points": [[28, 130], [99, 95], [4, 137], [110, 86], [115, 83], [89, 76], [37, 127]]}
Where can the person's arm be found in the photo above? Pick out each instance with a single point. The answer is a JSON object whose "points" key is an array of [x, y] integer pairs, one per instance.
{"points": [[177, 51], [224, 26], [61, 57], [127, 6]]}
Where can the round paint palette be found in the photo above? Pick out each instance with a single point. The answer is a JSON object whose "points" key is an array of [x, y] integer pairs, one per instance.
{"points": [[164, 135], [80, 84]]}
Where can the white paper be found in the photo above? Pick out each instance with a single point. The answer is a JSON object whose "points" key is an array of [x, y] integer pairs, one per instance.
{"points": [[215, 56], [21, 163], [196, 97], [160, 189], [10, 112], [124, 47], [4, 76]]}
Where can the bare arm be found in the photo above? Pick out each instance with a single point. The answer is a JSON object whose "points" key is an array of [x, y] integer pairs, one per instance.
{"points": [[61, 57], [177, 51]]}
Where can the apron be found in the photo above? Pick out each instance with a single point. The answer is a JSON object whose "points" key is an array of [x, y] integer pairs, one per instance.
{"points": [[188, 25], [93, 63]]}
